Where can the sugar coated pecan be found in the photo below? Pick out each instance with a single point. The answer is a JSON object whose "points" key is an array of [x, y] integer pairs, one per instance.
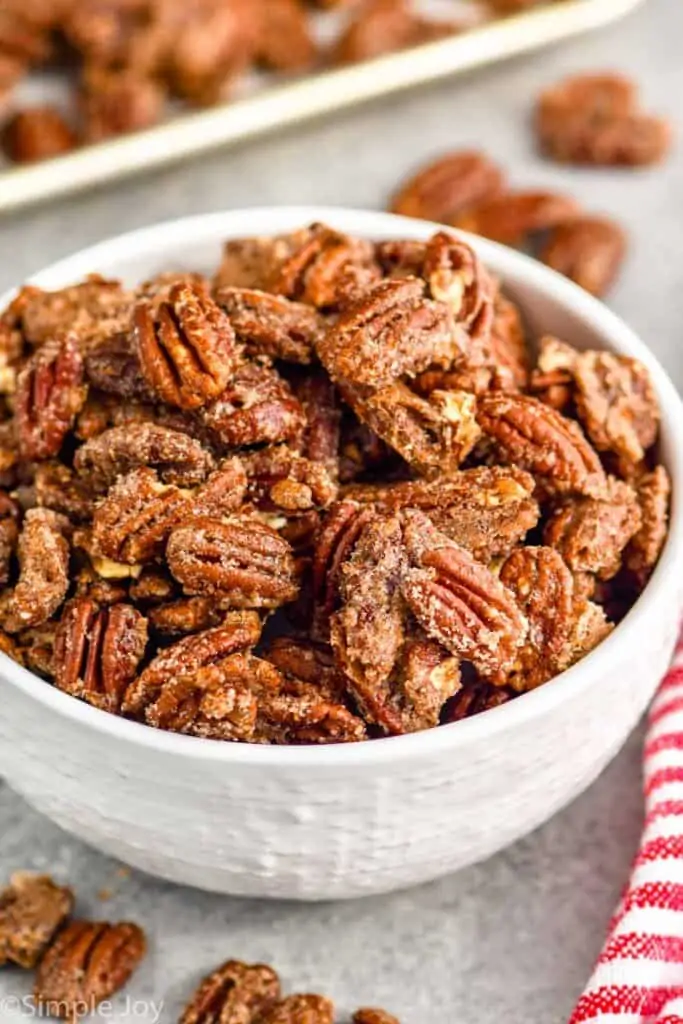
{"points": [[508, 345], [120, 100], [382, 26], [445, 187], [641, 555], [9, 534], [257, 407], [512, 216], [486, 509], [457, 277], [185, 615], [37, 133], [321, 436], [271, 325], [132, 523], [369, 1015], [98, 650], [242, 560], [300, 1009], [335, 544], [285, 41], [434, 435], [544, 589], [50, 394], [589, 628], [322, 267], [92, 310], [300, 713], [473, 698], [32, 909], [223, 491], [589, 250], [233, 992], [87, 963], [591, 533], [595, 119], [394, 331], [186, 347], [177, 458], [526, 432], [113, 366], [279, 480], [43, 572], [56, 486]]}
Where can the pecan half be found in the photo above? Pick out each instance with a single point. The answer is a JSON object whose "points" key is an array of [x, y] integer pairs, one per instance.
{"points": [[383, 26], [50, 394], [87, 963], [97, 651], [185, 615], [236, 992], [186, 347], [285, 41], [511, 217], [544, 589], [223, 492], [43, 572], [591, 533], [113, 366], [132, 523], [37, 133], [641, 555], [589, 250], [177, 458], [279, 480], [595, 119], [55, 486], [368, 1015], [392, 332], [443, 188], [300, 1009], [322, 433], [242, 560], [485, 510], [94, 309], [300, 713], [271, 325], [32, 909], [120, 100], [9, 534], [525, 432], [510, 354], [473, 698], [257, 407]]}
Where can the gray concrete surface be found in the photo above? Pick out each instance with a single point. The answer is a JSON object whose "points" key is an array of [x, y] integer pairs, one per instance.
{"points": [[512, 939]]}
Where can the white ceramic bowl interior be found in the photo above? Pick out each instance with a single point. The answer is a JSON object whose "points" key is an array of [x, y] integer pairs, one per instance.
{"points": [[344, 821]]}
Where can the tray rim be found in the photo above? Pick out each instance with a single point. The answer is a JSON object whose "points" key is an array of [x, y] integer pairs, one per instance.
{"points": [[288, 103]]}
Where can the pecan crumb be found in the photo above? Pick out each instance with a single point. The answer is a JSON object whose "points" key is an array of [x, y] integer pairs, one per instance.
{"points": [[32, 909]]}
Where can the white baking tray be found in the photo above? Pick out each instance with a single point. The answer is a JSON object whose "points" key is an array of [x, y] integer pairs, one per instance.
{"points": [[263, 106]]}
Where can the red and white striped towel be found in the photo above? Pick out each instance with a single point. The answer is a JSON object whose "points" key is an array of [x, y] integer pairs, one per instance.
{"points": [[638, 978]]}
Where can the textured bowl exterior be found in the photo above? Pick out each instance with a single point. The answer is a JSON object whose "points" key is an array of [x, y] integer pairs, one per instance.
{"points": [[340, 822]]}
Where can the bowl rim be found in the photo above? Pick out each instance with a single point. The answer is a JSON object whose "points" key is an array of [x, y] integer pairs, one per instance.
{"points": [[430, 742]]}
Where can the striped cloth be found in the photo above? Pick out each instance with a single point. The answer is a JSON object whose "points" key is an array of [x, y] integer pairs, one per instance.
{"points": [[638, 978]]}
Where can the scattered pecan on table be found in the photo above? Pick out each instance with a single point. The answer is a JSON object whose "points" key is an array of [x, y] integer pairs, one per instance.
{"points": [[333, 493], [32, 909]]}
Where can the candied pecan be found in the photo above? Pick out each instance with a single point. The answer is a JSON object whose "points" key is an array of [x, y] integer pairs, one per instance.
{"points": [[97, 651], [641, 555], [285, 42], [299, 713], [87, 963], [9, 647], [595, 119], [50, 394], [457, 277], [271, 325], [250, 262], [434, 435], [153, 585], [116, 101], [32, 909], [132, 523], [551, 381], [282, 481], [370, 1015], [212, 42], [35, 647], [115, 34], [234, 992], [207, 684], [37, 133], [336, 541], [91, 310], [241, 560], [112, 365], [362, 454], [383, 26], [589, 250], [322, 267], [591, 533], [55, 486], [509, 218], [544, 589], [486, 510], [616, 403], [185, 615], [393, 331], [508, 344], [525, 432], [457, 600], [589, 628], [257, 407], [322, 433], [177, 458], [99, 589], [223, 492], [186, 347], [306, 661], [300, 1009], [9, 534], [43, 572], [473, 698], [443, 188]]}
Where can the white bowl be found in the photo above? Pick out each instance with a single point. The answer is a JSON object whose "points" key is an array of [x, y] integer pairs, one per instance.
{"points": [[344, 821]]}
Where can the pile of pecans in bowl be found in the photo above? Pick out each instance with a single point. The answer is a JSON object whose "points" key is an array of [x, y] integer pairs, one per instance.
{"points": [[127, 61], [358, 437]]}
